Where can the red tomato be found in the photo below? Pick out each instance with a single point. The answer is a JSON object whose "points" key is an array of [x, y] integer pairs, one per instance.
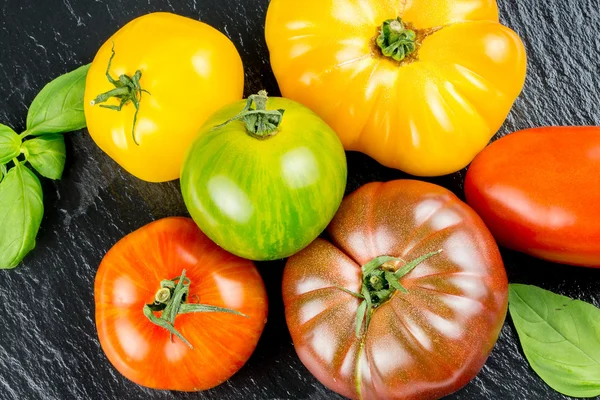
{"points": [[538, 191], [130, 276], [422, 344]]}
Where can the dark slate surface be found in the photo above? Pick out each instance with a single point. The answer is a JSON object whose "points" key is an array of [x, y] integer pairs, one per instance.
{"points": [[48, 343]]}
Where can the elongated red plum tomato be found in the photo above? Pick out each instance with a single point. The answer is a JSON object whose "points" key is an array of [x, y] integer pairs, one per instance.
{"points": [[538, 191], [174, 311], [407, 299]]}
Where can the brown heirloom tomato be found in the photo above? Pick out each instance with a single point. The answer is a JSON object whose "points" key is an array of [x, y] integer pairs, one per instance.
{"points": [[217, 302], [420, 317]]}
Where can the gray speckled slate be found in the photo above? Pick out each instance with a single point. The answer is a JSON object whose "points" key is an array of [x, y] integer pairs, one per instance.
{"points": [[48, 343]]}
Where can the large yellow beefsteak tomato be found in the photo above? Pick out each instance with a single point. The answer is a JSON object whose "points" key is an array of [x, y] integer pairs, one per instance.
{"points": [[169, 73], [419, 85]]}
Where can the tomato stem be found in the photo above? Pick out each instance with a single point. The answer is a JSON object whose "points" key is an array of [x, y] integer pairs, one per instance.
{"points": [[170, 299], [395, 40], [163, 295], [260, 122], [127, 89], [380, 280]]}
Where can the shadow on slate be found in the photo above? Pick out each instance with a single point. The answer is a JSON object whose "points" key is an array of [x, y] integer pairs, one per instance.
{"points": [[48, 344]]}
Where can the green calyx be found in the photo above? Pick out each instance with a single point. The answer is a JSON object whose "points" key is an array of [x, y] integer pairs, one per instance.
{"points": [[260, 122], [127, 89], [380, 280], [395, 40], [171, 301]]}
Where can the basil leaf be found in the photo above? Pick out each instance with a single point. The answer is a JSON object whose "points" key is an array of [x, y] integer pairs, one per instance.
{"points": [[47, 154], [560, 338], [59, 106], [10, 144], [21, 212]]}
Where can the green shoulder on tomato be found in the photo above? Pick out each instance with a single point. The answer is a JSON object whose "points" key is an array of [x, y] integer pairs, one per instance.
{"points": [[266, 185]]}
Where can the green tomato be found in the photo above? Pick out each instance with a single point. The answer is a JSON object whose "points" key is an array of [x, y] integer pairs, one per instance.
{"points": [[264, 195]]}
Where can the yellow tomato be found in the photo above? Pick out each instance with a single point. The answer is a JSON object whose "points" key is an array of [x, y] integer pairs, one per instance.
{"points": [[187, 71], [451, 77]]}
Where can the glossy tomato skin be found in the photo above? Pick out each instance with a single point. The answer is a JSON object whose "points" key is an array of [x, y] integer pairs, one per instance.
{"points": [[129, 277], [424, 344], [538, 191], [264, 199], [190, 69], [428, 115]]}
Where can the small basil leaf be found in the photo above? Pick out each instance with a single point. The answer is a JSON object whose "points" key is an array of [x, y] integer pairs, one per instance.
{"points": [[560, 338], [10, 144], [59, 106], [47, 154], [21, 212]]}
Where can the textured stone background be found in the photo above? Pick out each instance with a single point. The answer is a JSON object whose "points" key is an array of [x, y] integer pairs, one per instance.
{"points": [[48, 343]]}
